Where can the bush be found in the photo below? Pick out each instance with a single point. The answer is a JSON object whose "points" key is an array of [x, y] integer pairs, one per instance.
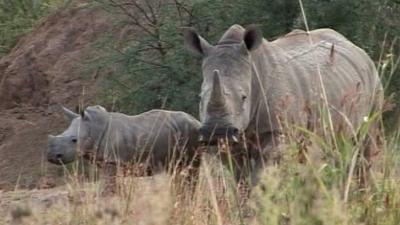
{"points": [[17, 17], [153, 70]]}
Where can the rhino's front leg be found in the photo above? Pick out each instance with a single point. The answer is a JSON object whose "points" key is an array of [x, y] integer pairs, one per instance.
{"points": [[109, 177]]}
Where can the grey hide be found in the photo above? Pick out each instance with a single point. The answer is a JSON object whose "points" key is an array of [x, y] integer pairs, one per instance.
{"points": [[154, 137], [252, 86]]}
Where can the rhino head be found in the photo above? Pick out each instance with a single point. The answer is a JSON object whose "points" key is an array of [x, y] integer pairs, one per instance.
{"points": [[226, 91], [79, 138]]}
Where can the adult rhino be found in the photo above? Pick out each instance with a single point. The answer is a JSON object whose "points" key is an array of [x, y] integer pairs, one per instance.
{"points": [[157, 139], [251, 86]]}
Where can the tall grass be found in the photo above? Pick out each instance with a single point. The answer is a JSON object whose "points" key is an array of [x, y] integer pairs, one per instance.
{"points": [[309, 191], [313, 184]]}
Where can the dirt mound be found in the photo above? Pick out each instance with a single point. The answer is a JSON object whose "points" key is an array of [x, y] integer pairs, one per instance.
{"points": [[40, 73]]}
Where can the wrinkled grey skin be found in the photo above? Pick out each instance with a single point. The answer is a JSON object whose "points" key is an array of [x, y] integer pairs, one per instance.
{"points": [[150, 137], [250, 85]]}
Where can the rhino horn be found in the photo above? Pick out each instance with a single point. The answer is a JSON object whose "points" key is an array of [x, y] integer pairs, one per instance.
{"points": [[235, 139], [217, 93], [69, 114]]}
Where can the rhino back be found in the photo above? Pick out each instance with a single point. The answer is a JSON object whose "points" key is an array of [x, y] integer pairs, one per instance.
{"points": [[291, 71], [174, 136], [154, 133], [180, 127]]}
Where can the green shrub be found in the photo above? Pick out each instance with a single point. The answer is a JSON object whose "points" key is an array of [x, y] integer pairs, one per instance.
{"points": [[149, 68], [17, 17]]}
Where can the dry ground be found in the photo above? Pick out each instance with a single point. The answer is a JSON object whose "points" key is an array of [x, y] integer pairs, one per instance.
{"points": [[42, 72], [150, 200]]}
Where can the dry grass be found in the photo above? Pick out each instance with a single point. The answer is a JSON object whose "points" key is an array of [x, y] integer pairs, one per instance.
{"points": [[308, 192]]}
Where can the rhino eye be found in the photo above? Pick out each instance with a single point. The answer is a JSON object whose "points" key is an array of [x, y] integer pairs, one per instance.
{"points": [[244, 97]]}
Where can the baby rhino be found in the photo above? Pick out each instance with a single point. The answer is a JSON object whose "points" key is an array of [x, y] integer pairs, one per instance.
{"points": [[157, 139]]}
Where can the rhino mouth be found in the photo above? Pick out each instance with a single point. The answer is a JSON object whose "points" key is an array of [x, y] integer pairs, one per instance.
{"points": [[58, 160], [212, 136]]}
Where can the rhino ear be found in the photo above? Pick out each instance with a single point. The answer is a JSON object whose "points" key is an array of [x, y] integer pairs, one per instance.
{"points": [[85, 115], [69, 114], [252, 38], [195, 43], [101, 108]]}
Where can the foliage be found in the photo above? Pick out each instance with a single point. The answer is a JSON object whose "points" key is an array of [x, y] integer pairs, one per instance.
{"points": [[148, 70], [17, 17], [153, 70]]}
